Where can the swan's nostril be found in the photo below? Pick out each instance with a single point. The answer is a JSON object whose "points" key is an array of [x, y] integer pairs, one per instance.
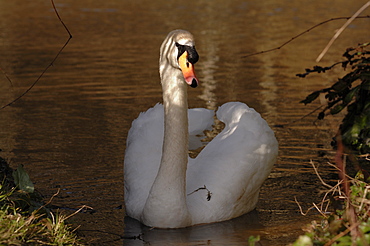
{"points": [[194, 83]]}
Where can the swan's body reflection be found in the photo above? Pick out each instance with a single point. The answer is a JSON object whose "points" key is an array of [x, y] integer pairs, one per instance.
{"points": [[231, 232]]}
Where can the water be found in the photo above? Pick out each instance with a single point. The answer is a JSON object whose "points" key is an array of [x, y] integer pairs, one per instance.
{"points": [[70, 130]]}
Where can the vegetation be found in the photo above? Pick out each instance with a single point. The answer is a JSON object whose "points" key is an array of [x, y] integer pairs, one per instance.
{"points": [[352, 92], [348, 222], [24, 219]]}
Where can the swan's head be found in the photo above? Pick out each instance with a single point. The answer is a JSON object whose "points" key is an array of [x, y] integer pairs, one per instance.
{"points": [[178, 51]]}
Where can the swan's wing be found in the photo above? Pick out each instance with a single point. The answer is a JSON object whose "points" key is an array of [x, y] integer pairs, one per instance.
{"points": [[144, 151], [142, 158], [224, 180], [200, 119]]}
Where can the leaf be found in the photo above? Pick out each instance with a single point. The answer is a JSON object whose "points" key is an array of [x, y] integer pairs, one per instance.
{"points": [[321, 116], [340, 85], [22, 179], [350, 95], [337, 109], [331, 96], [311, 97], [366, 83]]}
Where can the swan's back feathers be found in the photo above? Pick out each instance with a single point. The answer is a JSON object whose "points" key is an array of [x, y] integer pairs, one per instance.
{"points": [[232, 166]]}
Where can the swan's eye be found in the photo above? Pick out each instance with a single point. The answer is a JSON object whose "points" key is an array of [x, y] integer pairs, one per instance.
{"points": [[181, 49], [193, 56]]}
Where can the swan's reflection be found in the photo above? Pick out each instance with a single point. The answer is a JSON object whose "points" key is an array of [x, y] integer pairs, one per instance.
{"points": [[235, 232]]}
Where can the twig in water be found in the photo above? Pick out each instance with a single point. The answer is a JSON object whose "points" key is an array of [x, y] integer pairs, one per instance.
{"points": [[302, 33], [354, 16], [332, 189], [47, 67], [335, 188], [318, 175], [78, 210], [300, 207], [51, 199], [7, 77], [318, 209]]}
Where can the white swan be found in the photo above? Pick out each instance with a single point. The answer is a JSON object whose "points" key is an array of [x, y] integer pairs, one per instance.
{"points": [[165, 188]]}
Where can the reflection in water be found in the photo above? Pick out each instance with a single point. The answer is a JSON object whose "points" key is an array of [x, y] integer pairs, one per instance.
{"points": [[269, 88], [208, 81], [70, 130], [221, 233]]}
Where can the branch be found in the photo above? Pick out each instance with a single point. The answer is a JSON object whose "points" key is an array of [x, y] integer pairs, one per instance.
{"points": [[47, 68], [341, 30], [302, 33]]}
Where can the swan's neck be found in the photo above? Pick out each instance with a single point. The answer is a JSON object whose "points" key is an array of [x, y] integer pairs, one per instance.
{"points": [[175, 142], [166, 204]]}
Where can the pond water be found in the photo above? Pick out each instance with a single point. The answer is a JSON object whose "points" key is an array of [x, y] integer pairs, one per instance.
{"points": [[70, 130]]}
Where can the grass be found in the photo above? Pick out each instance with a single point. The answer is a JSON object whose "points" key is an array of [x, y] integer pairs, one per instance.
{"points": [[24, 218], [19, 229]]}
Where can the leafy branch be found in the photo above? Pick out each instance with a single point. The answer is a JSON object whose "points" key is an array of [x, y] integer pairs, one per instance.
{"points": [[351, 92]]}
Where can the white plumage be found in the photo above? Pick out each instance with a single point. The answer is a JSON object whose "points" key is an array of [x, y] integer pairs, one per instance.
{"points": [[164, 187]]}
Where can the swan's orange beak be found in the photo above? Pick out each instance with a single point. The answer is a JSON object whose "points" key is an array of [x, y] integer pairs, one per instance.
{"points": [[187, 69]]}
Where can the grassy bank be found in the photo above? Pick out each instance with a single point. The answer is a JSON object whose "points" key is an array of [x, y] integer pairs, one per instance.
{"points": [[24, 218]]}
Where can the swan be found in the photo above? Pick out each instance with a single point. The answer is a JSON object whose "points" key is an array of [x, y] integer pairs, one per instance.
{"points": [[163, 186]]}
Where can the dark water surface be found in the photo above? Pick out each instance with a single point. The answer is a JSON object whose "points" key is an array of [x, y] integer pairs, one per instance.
{"points": [[70, 130]]}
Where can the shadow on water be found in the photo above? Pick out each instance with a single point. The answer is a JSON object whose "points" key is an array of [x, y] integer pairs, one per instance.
{"points": [[219, 233]]}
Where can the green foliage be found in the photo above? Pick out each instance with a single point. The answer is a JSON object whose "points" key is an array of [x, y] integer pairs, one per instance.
{"points": [[22, 180], [24, 218], [351, 92], [252, 240], [303, 241]]}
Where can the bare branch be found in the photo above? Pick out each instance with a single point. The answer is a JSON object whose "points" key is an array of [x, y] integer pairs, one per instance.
{"points": [[341, 30], [7, 77], [51, 63], [318, 175], [302, 33]]}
